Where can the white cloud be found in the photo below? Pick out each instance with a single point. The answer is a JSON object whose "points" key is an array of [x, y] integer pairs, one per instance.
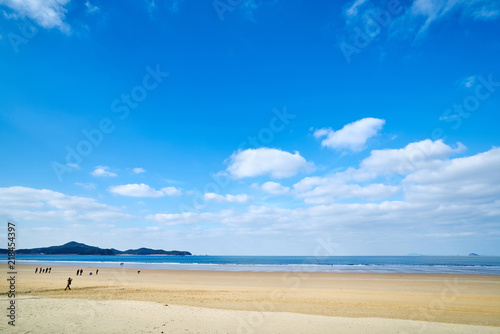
{"points": [[428, 176], [469, 81], [414, 156], [91, 8], [47, 13], [432, 11], [364, 17], [353, 9], [274, 188], [22, 203], [143, 190], [453, 199], [240, 198], [344, 218], [74, 166], [487, 12], [103, 171], [426, 154], [139, 170], [267, 161], [467, 180], [189, 218], [185, 218], [352, 136], [324, 190], [88, 186], [171, 191], [450, 235], [135, 190], [410, 20]]}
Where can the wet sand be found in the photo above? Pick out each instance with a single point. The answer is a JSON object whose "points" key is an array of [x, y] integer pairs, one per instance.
{"points": [[253, 302]]}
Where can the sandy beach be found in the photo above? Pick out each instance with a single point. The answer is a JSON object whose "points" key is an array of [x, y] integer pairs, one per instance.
{"points": [[156, 301]]}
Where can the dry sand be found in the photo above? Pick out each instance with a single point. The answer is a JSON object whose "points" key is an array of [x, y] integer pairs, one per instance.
{"points": [[123, 301]]}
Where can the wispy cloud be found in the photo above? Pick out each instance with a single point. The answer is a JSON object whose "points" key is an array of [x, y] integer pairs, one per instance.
{"points": [[138, 170], [91, 8], [352, 136], [424, 13], [103, 171], [352, 9], [469, 81], [240, 198], [414, 156], [450, 235], [29, 204], [387, 163], [74, 166], [274, 188], [143, 190], [88, 186], [47, 13], [248, 7], [173, 6], [365, 20], [324, 190]]}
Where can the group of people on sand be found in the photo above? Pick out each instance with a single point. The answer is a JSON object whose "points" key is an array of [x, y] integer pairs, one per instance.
{"points": [[43, 270], [79, 272]]}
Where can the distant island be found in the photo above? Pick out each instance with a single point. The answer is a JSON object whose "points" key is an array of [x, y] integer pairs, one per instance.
{"points": [[77, 248], [473, 254]]}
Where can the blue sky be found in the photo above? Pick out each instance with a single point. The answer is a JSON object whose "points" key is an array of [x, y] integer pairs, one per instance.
{"points": [[252, 127]]}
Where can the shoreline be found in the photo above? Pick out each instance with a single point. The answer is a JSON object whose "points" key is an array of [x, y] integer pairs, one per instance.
{"points": [[444, 298], [310, 268]]}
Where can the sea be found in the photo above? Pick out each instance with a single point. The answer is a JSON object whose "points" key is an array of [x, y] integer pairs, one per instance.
{"points": [[484, 265]]}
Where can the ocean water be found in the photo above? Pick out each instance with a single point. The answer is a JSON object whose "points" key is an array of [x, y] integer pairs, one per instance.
{"points": [[366, 264]]}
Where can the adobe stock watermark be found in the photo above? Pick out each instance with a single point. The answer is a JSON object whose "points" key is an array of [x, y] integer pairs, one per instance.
{"points": [[89, 309], [471, 103], [292, 282], [436, 306], [220, 181], [365, 33], [460, 111], [27, 31], [121, 107]]}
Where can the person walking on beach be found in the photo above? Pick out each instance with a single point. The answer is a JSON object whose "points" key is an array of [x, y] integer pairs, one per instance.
{"points": [[69, 283], [50, 269], [36, 269], [81, 272], [77, 272]]}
